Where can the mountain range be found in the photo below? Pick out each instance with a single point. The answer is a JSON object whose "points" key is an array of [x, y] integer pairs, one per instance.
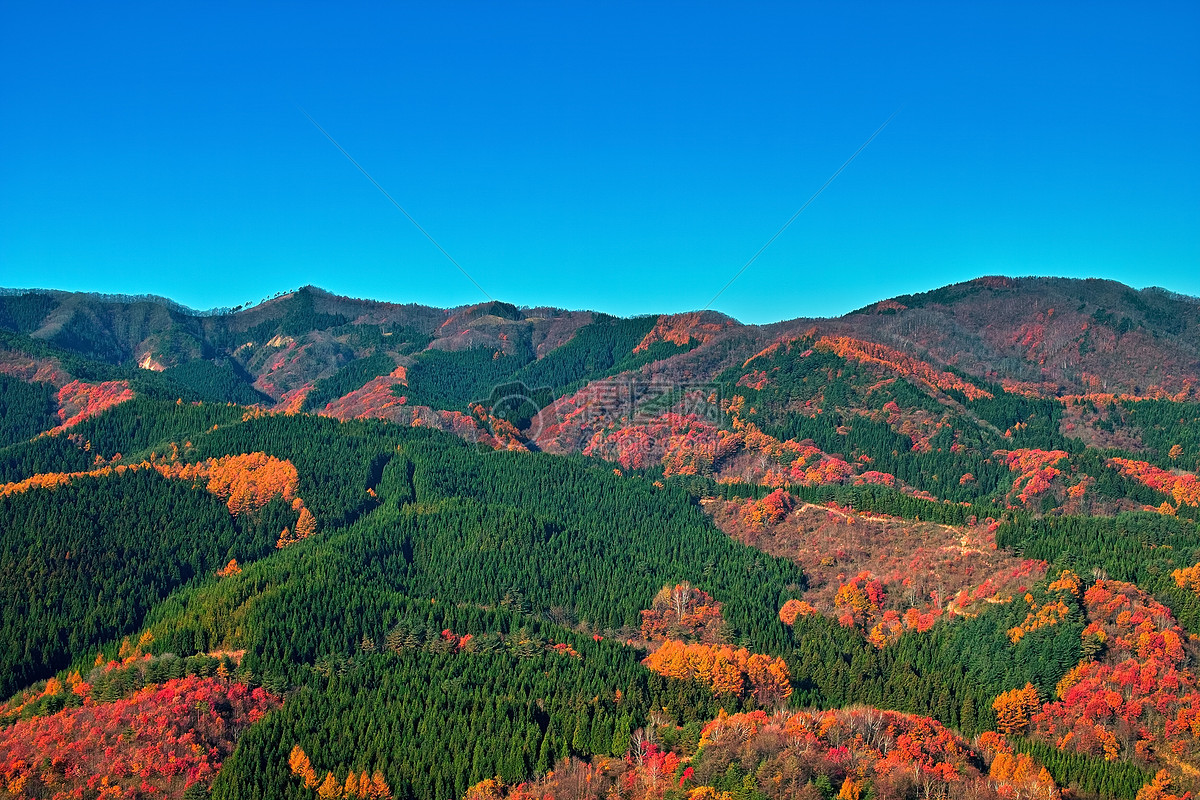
{"points": [[945, 545]]}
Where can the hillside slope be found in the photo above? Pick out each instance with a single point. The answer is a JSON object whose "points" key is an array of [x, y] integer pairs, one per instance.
{"points": [[977, 508]]}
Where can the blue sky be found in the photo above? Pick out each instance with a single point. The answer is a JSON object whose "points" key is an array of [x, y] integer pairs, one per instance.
{"points": [[623, 157]]}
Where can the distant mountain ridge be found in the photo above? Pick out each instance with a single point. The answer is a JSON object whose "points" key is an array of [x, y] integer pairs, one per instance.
{"points": [[310, 350], [1083, 335]]}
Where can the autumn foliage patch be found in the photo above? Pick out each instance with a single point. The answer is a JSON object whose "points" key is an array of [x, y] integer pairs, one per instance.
{"points": [[162, 740], [880, 575], [857, 754], [78, 400], [895, 360], [1035, 470], [369, 786], [683, 612], [724, 669], [1140, 700], [1182, 487]]}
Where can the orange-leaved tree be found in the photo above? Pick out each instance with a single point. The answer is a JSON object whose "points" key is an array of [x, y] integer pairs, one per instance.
{"points": [[1015, 707]]}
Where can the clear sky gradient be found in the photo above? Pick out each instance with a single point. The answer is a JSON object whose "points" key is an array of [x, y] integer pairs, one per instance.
{"points": [[622, 157]]}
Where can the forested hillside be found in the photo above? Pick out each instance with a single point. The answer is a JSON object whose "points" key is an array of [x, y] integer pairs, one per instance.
{"points": [[945, 546]]}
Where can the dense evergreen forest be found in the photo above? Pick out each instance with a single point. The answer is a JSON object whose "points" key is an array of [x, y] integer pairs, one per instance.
{"points": [[26, 409], [454, 539]]}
